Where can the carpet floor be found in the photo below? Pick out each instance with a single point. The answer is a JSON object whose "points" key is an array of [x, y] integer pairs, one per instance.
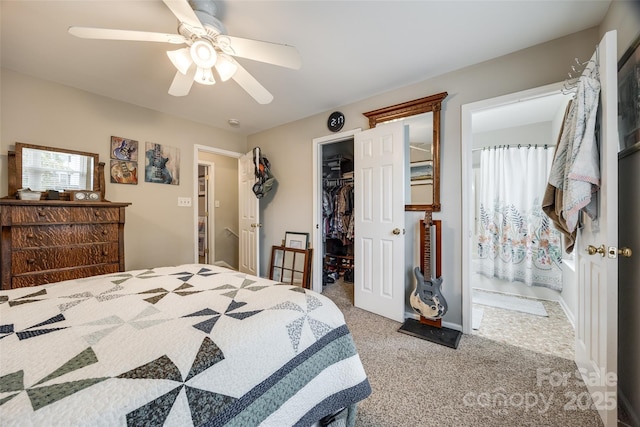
{"points": [[481, 383]]}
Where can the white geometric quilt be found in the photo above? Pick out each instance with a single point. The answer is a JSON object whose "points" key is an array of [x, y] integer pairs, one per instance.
{"points": [[175, 346]]}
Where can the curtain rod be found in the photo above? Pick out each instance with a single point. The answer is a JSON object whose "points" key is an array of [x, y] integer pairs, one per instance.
{"points": [[495, 147]]}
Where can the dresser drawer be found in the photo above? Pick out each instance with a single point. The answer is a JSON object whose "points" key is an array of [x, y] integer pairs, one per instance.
{"points": [[32, 260], [32, 236], [95, 214], [40, 214], [32, 279]]}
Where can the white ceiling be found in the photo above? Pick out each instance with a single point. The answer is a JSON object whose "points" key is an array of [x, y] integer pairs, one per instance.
{"points": [[537, 110], [350, 50]]}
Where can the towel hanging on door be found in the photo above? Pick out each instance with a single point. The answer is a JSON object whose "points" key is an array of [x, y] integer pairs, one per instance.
{"points": [[576, 166]]}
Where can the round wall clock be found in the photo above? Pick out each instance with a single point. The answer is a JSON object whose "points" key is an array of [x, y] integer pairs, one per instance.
{"points": [[336, 121]]}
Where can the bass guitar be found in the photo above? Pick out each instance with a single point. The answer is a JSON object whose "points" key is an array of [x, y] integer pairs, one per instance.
{"points": [[426, 298]]}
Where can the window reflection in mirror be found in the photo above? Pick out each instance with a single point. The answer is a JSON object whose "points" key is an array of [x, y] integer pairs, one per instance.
{"points": [[43, 168], [48, 170]]}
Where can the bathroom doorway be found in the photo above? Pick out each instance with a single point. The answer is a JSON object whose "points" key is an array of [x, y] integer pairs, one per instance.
{"points": [[518, 282]]}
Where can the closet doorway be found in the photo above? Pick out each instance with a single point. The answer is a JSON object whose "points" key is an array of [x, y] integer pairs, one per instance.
{"points": [[374, 225], [524, 294], [332, 162]]}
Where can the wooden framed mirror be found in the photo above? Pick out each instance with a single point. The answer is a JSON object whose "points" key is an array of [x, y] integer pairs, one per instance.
{"points": [[42, 168], [421, 109]]}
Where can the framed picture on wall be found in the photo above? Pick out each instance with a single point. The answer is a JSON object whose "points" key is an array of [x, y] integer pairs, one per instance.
{"points": [[629, 99]]}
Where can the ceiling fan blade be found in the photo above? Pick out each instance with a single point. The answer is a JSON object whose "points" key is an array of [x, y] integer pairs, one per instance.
{"points": [[271, 53], [110, 34], [251, 85], [182, 83], [185, 14]]}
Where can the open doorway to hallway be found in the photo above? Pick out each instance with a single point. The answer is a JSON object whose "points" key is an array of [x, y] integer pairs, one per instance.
{"points": [[216, 211]]}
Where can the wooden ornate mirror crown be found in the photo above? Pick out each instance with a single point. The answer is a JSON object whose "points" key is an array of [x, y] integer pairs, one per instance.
{"points": [[431, 105]]}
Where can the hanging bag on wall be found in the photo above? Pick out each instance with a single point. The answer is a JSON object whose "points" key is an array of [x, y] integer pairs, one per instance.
{"points": [[264, 177]]}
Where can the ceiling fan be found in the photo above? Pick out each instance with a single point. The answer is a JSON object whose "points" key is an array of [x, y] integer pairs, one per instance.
{"points": [[209, 54]]}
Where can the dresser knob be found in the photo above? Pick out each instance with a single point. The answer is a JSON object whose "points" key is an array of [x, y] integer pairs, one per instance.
{"points": [[105, 232], [105, 252], [31, 261], [42, 212], [97, 213], [30, 236]]}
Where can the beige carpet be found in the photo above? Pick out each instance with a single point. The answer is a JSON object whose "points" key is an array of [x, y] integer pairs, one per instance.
{"points": [[482, 383]]}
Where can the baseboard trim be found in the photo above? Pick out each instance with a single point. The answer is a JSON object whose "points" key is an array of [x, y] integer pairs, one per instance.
{"points": [[567, 312], [626, 406]]}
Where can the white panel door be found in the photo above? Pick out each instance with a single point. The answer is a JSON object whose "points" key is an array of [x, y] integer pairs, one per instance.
{"points": [[379, 220], [249, 223], [597, 312]]}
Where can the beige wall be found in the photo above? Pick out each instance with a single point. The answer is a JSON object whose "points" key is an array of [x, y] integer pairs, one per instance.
{"points": [[289, 146], [157, 231]]}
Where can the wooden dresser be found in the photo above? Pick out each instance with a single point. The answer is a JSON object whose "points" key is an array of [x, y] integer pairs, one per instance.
{"points": [[49, 241]]}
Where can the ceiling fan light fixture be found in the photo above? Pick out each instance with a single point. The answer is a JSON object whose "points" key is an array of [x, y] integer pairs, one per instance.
{"points": [[203, 54], [204, 76], [181, 59], [225, 67]]}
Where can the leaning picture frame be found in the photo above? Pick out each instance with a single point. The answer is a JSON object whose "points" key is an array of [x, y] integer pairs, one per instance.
{"points": [[294, 239], [201, 186], [629, 100]]}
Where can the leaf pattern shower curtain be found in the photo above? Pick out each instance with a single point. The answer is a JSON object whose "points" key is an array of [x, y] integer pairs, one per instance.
{"points": [[516, 239]]}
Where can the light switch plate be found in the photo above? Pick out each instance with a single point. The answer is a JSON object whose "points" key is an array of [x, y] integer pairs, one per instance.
{"points": [[184, 202]]}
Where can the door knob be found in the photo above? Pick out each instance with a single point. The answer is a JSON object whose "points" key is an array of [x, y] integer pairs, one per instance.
{"points": [[592, 250], [613, 251], [396, 231], [625, 252]]}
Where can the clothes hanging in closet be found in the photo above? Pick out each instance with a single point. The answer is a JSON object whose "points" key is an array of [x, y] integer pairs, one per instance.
{"points": [[337, 212]]}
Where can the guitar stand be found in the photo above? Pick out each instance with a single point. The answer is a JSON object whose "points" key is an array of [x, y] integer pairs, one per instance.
{"points": [[436, 323], [432, 329]]}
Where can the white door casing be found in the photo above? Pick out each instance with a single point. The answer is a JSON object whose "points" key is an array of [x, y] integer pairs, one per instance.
{"points": [[249, 211], [597, 314], [467, 114], [197, 149], [379, 220], [317, 235]]}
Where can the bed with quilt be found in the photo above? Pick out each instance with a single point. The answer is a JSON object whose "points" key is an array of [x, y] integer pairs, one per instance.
{"points": [[175, 346]]}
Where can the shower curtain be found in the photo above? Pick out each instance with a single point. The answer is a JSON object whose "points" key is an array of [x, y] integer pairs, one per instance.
{"points": [[516, 239]]}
